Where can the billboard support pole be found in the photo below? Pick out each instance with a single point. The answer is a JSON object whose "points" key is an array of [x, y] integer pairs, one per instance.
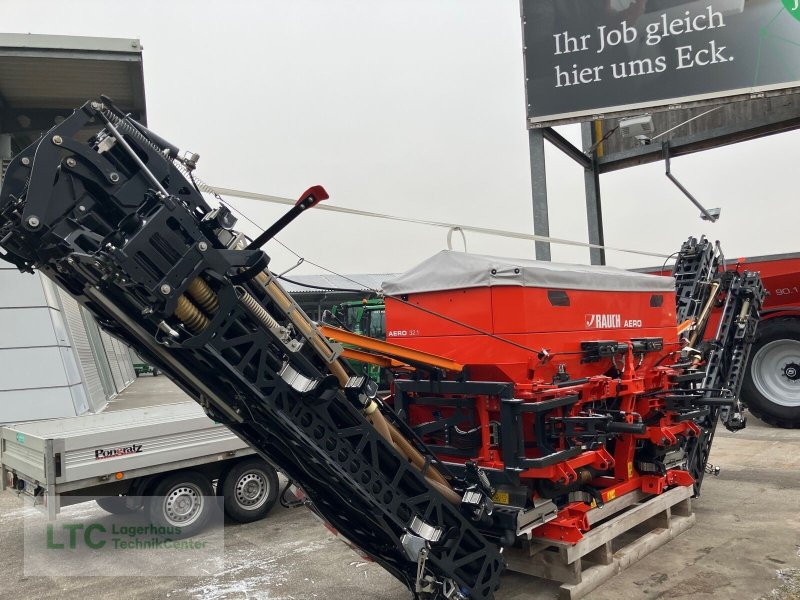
{"points": [[706, 215], [594, 209], [541, 217]]}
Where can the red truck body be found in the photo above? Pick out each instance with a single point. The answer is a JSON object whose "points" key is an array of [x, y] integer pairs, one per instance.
{"points": [[771, 387], [780, 274]]}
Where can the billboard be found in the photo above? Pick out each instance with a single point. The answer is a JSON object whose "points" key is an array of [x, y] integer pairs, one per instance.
{"points": [[591, 58]]}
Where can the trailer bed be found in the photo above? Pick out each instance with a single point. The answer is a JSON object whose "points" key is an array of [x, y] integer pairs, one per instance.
{"points": [[81, 455]]}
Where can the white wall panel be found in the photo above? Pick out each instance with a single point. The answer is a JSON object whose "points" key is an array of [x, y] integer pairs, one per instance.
{"points": [[27, 327], [28, 368], [34, 404], [79, 399], [71, 366], [22, 290], [51, 363]]}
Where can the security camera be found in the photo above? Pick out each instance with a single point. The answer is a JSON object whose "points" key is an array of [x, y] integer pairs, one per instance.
{"points": [[640, 128]]}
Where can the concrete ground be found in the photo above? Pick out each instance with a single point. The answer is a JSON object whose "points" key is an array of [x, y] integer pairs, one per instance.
{"points": [[745, 545]]}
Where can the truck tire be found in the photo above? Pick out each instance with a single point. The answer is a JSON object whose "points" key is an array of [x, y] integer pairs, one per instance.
{"points": [[116, 505], [771, 387], [249, 489], [181, 500]]}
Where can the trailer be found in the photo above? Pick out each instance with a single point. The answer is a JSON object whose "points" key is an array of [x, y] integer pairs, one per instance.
{"points": [[771, 386], [138, 459]]}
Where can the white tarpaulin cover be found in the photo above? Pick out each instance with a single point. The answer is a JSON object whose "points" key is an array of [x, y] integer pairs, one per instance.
{"points": [[450, 270]]}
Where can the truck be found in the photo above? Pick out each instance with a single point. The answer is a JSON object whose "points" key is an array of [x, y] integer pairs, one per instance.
{"points": [[150, 459], [534, 393]]}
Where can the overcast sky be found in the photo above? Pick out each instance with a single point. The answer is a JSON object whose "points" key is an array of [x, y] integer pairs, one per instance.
{"points": [[406, 107]]}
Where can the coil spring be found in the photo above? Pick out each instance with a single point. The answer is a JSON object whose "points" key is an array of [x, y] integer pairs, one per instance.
{"points": [[190, 315], [258, 310], [203, 295], [131, 131]]}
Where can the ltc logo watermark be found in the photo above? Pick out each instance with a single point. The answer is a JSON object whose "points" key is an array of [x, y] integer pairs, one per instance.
{"points": [[72, 536], [793, 6], [85, 540]]}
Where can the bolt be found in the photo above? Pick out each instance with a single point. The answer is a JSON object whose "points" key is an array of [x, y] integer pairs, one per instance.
{"points": [[82, 208], [26, 161], [165, 289], [33, 221], [95, 105], [71, 162], [70, 261], [57, 140], [114, 177], [203, 246]]}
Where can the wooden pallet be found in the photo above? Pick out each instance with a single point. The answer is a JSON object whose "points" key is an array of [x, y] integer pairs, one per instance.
{"points": [[628, 529]]}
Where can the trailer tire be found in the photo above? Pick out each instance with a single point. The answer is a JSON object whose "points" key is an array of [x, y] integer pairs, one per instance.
{"points": [[116, 505], [249, 489], [182, 500], [771, 387]]}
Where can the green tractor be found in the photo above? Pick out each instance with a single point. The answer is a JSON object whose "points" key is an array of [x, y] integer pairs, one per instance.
{"points": [[364, 317]]}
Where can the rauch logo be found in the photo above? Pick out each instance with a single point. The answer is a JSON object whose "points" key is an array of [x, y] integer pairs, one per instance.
{"points": [[611, 321]]}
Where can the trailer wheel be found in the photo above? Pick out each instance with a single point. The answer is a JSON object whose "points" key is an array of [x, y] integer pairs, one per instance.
{"points": [[116, 505], [771, 387], [181, 500], [250, 490]]}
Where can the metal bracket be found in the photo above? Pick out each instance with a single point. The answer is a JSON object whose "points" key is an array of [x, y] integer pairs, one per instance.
{"points": [[707, 214]]}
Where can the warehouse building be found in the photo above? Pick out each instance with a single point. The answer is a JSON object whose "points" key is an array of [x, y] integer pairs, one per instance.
{"points": [[54, 359]]}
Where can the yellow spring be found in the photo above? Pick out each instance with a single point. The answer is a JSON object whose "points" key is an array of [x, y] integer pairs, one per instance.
{"points": [[190, 315], [203, 295], [258, 310]]}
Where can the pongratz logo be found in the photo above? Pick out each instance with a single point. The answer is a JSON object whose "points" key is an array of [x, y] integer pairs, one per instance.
{"points": [[102, 453], [610, 321]]}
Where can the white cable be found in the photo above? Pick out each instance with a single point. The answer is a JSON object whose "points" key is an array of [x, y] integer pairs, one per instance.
{"points": [[374, 215], [687, 121]]}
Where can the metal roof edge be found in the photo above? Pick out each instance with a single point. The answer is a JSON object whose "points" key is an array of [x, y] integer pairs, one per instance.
{"points": [[35, 41]]}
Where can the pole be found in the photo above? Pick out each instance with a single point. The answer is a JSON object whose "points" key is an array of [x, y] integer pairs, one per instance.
{"points": [[541, 218], [594, 209]]}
